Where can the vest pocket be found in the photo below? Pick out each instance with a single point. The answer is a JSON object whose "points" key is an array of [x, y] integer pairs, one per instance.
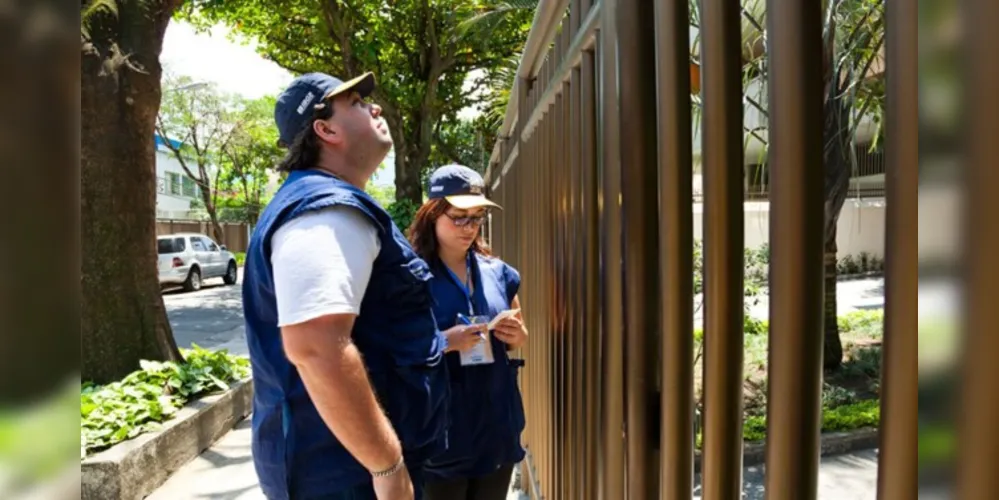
{"points": [[517, 418], [410, 290], [416, 401]]}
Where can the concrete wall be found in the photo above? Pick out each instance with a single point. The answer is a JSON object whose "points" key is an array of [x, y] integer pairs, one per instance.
{"points": [[166, 202], [861, 226]]}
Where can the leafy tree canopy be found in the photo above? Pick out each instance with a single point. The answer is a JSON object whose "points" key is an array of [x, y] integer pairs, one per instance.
{"points": [[420, 51]]}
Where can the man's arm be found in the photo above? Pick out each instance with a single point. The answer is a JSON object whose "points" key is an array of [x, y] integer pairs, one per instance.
{"points": [[322, 264], [334, 375]]}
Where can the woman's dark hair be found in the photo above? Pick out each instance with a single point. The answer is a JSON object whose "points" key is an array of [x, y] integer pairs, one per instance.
{"points": [[423, 237], [304, 151]]}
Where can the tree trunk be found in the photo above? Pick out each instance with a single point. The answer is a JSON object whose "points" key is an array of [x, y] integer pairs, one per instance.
{"points": [[407, 179], [832, 354], [213, 217], [838, 165], [123, 317]]}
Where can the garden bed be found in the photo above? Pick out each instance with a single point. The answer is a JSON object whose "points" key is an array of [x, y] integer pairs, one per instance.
{"points": [[850, 394], [137, 432]]}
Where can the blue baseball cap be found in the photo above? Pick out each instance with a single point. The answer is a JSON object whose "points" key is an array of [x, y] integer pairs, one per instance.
{"points": [[461, 186], [295, 106]]}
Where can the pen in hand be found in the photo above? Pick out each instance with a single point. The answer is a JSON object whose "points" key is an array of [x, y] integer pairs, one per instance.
{"points": [[464, 319]]}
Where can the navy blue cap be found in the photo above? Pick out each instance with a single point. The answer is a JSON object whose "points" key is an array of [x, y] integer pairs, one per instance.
{"points": [[461, 186], [295, 106]]}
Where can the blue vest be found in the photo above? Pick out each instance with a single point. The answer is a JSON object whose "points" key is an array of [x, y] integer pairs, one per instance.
{"points": [[487, 412], [295, 454]]}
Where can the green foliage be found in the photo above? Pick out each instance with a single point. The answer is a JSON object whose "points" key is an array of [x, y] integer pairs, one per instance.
{"points": [[463, 142], [240, 258], [36, 440], [247, 159], [757, 262], [868, 323], [834, 396], [403, 212], [420, 55], [843, 418], [859, 264], [383, 194], [122, 410], [937, 444], [863, 362]]}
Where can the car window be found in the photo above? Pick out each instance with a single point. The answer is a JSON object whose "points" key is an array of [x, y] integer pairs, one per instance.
{"points": [[210, 244], [170, 245], [198, 245]]}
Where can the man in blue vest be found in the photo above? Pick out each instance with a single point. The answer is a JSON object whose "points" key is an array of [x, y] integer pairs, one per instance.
{"points": [[350, 387]]}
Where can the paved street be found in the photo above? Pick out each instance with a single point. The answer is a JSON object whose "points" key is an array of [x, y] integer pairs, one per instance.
{"points": [[211, 317]]}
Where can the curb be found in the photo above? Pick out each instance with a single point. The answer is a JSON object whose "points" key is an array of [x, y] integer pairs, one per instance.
{"points": [[833, 443], [131, 470], [860, 276]]}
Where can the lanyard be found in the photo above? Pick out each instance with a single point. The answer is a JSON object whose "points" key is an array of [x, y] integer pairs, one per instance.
{"points": [[466, 287]]}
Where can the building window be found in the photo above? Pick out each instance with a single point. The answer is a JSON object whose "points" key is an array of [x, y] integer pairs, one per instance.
{"points": [[190, 188], [173, 182]]}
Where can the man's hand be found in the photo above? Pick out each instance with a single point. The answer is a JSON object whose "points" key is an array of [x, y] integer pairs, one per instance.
{"points": [[397, 486], [463, 337]]}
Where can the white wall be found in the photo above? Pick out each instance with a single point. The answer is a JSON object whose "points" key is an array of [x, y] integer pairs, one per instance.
{"points": [[166, 202], [861, 226]]}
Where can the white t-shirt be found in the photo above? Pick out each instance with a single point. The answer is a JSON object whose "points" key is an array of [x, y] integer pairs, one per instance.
{"points": [[322, 263]]}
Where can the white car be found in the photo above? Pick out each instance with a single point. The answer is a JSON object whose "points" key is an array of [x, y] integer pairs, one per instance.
{"points": [[188, 259]]}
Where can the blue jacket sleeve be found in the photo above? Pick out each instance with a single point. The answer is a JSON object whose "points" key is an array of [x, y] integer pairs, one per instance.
{"points": [[512, 279]]}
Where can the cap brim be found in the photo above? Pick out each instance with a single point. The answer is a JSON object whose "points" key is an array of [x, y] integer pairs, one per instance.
{"points": [[364, 85], [468, 201]]}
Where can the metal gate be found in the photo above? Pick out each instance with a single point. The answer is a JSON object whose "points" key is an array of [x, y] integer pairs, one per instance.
{"points": [[593, 168]]}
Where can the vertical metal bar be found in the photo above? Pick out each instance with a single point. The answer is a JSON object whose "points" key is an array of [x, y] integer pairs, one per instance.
{"points": [[591, 285], [552, 290], [554, 200], [612, 389], [676, 241], [723, 249], [897, 462], [577, 413], [637, 91], [794, 402]]}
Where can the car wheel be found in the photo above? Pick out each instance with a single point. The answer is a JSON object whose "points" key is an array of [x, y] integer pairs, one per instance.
{"points": [[230, 274], [193, 282]]}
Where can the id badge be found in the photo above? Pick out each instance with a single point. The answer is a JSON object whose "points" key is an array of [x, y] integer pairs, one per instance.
{"points": [[482, 353]]}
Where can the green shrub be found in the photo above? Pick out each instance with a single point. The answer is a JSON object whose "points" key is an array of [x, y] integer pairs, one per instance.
{"points": [[843, 418], [834, 396], [138, 403], [240, 258], [869, 323], [403, 212]]}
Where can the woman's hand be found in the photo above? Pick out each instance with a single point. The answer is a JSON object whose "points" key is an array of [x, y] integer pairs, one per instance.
{"points": [[463, 337], [512, 331]]}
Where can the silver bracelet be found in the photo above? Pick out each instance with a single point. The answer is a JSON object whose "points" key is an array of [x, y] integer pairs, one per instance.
{"points": [[391, 470]]}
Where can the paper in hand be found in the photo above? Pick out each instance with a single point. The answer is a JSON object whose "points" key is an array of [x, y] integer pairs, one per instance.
{"points": [[501, 316]]}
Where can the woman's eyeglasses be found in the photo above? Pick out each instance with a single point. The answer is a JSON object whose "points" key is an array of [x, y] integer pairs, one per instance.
{"points": [[465, 220]]}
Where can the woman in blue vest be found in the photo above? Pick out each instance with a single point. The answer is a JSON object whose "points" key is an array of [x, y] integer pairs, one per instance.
{"points": [[486, 410]]}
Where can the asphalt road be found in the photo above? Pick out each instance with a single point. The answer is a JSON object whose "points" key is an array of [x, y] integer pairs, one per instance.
{"points": [[211, 317]]}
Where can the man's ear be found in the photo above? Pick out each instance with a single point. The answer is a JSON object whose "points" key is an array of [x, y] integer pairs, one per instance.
{"points": [[328, 132]]}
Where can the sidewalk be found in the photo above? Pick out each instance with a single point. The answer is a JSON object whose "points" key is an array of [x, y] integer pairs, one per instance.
{"points": [[225, 472], [222, 472]]}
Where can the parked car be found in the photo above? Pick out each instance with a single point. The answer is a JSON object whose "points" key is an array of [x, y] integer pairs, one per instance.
{"points": [[188, 259]]}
